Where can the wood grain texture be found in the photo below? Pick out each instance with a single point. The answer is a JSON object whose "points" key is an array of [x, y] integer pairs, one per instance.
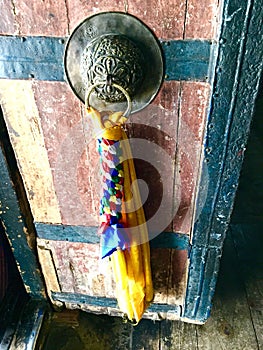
{"points": [[48, 270], [165, 18], [230, 325], [47, 18], [181, 139], [202, 20], [194, 99], [8, 23], [168, 20], [248, 242], [167, 152], [72, 153], [80, 270], [22, 120]]}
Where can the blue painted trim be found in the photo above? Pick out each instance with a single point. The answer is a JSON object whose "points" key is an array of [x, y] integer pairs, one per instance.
{"points": [[42, 58], [75, 298], [86, 234], [171, 240], [237, 76], [187, 59], [32, 57], [82, 234]]}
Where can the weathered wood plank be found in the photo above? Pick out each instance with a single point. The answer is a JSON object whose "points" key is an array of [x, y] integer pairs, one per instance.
{"points": [[248, 241], [230, 325], [48, 270], [79, 270], [23, 124], [202, 21], [178, 274], [41, 17], [8, 23], [178, 336], [194, 99], [72, 153], [146, 336], [17, 225], [236, 85], [165, 18]]}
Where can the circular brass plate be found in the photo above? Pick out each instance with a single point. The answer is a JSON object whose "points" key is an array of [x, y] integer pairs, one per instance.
{"points": [[123, 24]]}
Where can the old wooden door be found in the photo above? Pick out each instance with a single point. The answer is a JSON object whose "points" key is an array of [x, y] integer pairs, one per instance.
{"points": [[188, 126]]}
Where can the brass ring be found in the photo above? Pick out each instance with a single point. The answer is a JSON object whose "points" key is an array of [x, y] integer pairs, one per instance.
{"points": [[125, 93]]}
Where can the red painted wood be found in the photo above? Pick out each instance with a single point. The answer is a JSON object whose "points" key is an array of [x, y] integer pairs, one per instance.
{"points": [[48, 18], [201, 19], [67, 142], [8, 24], [171, 19], [158, 134], [193, 111], [165, 18], [157, 124]]}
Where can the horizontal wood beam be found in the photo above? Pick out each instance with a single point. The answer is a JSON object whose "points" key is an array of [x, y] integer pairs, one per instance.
{"points": [[85, 234]]}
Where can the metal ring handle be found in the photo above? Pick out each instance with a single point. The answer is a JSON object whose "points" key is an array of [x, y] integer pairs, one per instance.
{"points": [[125, 93]]}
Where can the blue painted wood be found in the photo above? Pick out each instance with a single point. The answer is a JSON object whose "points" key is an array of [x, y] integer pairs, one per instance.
{"points": [[237, 77], [86, 234], [82, 234], [76, 298], [31, 57], [42, 58], [187, 59]]}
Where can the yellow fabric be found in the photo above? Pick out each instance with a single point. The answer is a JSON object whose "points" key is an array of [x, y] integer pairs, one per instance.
{"points": [[131, 268]]}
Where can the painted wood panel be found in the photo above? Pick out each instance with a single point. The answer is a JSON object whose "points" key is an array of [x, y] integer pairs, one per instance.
{"points": [[47, 17], [53, 139], [56, 151], [168, 19], [79, 270], [22, 120]]}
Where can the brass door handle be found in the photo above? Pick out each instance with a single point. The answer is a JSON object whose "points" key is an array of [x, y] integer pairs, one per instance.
{"points": [[113, 55]]}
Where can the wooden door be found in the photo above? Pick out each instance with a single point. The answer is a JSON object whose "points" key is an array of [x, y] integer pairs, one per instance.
{"points": [[56, 154]]}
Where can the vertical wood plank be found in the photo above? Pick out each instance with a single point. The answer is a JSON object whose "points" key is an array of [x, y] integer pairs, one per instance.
{"points": [[146, 336], [23, 124], [202, 19], [248, 240], [230, 325], [157, 124], [178, 336], [177, 282], [72, 152], [193, 113], [165, 18], [41, 17], [8, 24]]}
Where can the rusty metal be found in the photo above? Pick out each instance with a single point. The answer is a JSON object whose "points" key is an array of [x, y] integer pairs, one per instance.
{"points": [[114, 48]]}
